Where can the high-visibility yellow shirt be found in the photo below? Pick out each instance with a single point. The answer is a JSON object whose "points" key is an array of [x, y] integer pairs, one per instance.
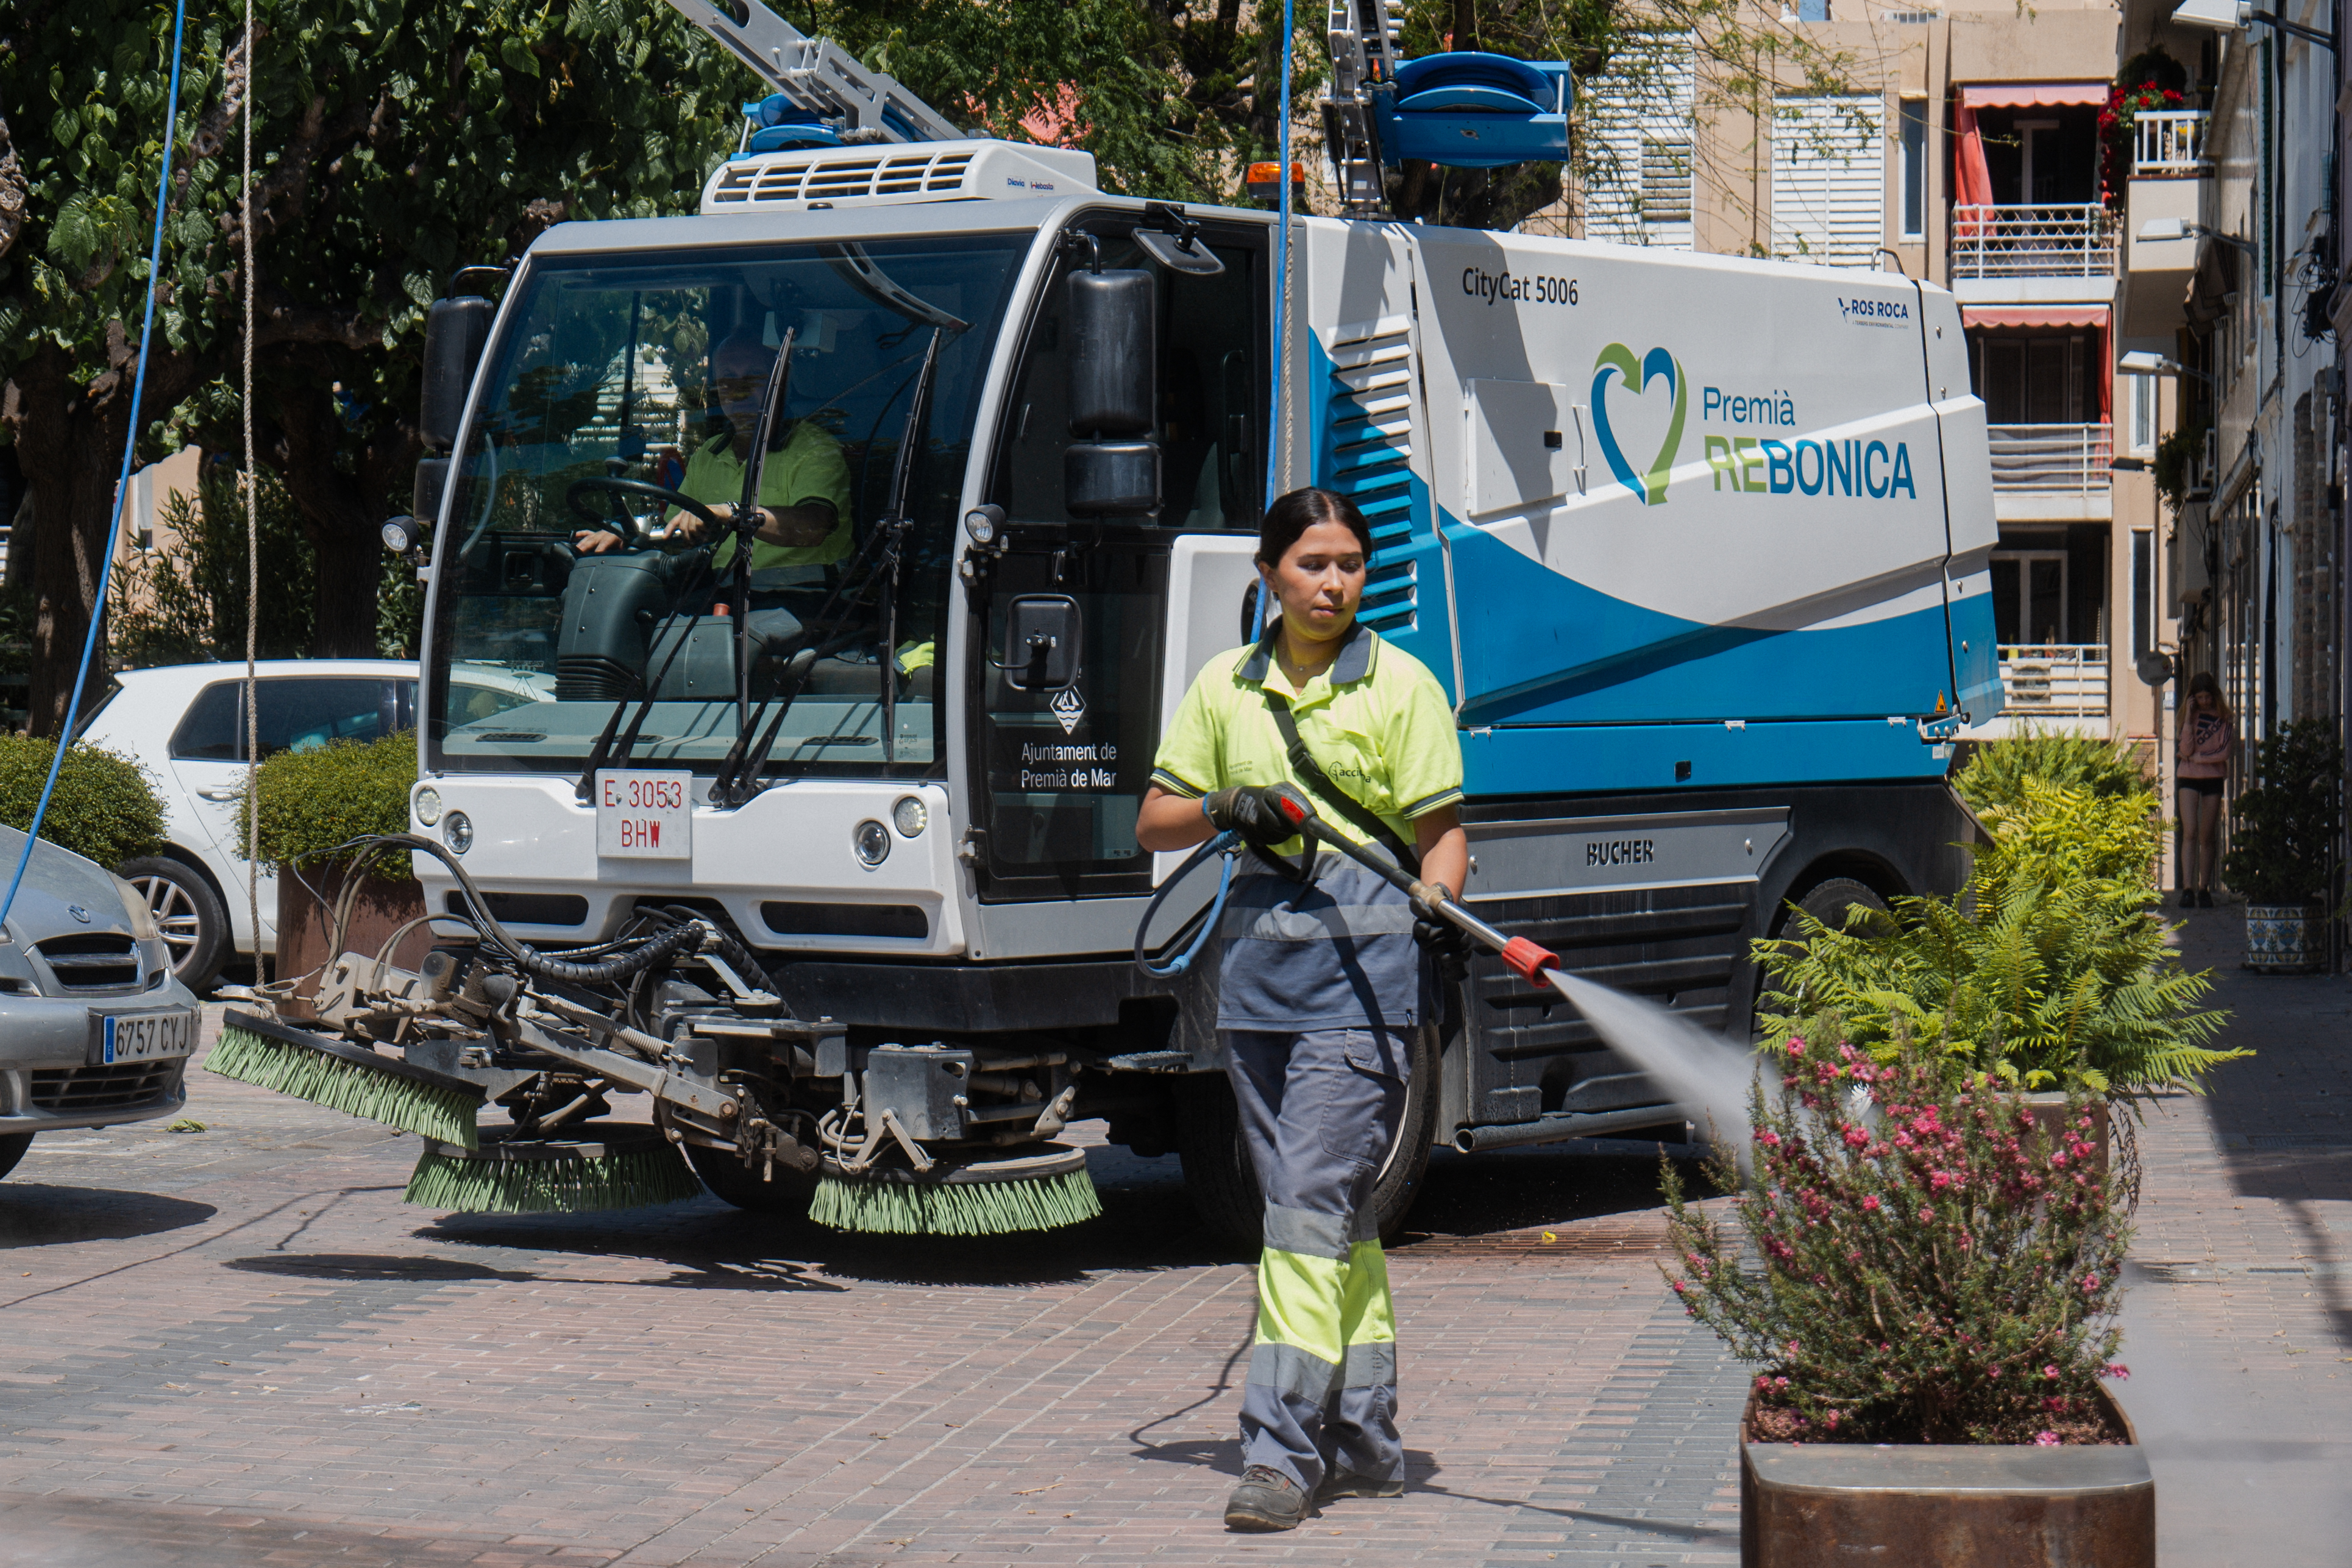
{"points": [[1377, 721], [809, 467]]}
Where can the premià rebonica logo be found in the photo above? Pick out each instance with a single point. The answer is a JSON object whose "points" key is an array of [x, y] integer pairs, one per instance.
{"points": [[1618, 360]]}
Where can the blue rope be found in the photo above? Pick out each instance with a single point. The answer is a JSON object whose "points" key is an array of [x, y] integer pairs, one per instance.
{"points": [[129, 446], [1281, 278], [1226, 844]]}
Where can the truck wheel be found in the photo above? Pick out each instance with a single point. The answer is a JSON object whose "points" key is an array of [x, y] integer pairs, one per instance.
{"points": [[1223, 1189], [1828, 901], [188, 913], [12, 1149], [726, 1175]]}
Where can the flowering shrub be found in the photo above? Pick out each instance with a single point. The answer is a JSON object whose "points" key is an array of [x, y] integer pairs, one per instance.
{"points": [[1931, 1267], [2150, 80]]}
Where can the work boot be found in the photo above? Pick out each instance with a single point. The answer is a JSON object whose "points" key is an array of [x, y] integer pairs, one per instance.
{"points": [[1267, 1499], [1348, 1483]]}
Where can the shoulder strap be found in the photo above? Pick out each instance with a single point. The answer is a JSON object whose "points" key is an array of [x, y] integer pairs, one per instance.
{"points": [[1310, 773]]}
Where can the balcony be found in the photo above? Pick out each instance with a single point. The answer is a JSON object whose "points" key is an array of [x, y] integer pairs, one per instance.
{"points": [[2169, 144], [2076, 240], [2054, 681]]}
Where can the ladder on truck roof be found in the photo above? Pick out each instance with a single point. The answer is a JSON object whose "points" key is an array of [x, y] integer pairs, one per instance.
{"points": [[817, 75]]}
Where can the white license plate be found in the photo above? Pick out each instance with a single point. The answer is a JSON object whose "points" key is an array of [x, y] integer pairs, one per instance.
{"points": [[143, 1037], [644, 816]]}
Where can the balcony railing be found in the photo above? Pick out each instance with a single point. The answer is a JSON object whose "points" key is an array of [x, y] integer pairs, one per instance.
{"points": [[2055, 680], [2168, 141], [2051, 456], [2072, 241]]}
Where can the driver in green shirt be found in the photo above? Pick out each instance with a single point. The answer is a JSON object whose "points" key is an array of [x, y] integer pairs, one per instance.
{"points": [[803, 488]]}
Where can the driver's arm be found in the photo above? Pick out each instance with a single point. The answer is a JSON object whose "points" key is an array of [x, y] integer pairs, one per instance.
{"points": [[809, 522]]}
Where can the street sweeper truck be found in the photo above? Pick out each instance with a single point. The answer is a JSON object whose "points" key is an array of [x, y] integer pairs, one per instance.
{"points": [[844, 547]]}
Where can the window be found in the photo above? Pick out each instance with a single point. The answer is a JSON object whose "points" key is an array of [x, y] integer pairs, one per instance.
{"points": [[296, 715], [2142, 415], [1828, 180], [1641, 118], [2029, 598], [2034, 381], [1915, 168], [2143, 589]]}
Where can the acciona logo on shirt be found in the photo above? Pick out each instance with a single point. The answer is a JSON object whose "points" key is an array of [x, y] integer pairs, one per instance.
{"points": [[1069, 707]]}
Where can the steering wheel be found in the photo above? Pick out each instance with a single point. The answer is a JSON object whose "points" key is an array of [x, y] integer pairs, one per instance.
{"points": [[625, 523]]}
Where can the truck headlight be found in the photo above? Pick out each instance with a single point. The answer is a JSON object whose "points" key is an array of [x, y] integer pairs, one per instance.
{"points": [[457, 833], [911, 817], [872, 841], [135, 909], [427, 804]]}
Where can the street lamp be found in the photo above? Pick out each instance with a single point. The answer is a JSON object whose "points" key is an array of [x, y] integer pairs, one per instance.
{"points": [[2160, 231], [2147, 362], [2230, 16]]}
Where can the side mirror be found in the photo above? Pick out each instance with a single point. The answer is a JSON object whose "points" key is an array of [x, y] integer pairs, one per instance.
{"points": [[1042, 631], [425, 496], [454, 332], [1113, 468]]}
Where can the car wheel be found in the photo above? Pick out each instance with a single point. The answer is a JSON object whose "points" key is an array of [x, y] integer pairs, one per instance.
{"points": [[189, 914], [12, 1149]]}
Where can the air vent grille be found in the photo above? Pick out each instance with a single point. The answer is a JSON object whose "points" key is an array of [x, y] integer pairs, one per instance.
{"points": [[843, 177], [1370, 437]]}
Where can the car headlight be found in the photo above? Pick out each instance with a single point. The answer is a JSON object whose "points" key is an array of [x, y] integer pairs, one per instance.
{"points": [[135, 909], [427, 804]]}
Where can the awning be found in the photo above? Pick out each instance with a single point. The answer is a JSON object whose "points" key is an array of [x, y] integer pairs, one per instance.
{"points": [[2034, 94], [2054, 316]]}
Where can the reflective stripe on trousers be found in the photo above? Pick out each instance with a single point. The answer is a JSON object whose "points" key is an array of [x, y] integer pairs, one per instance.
{"points": [[1318, 1111]]}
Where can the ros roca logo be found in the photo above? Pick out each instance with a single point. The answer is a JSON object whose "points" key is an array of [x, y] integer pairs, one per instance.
{"points": [[1618, 360]]}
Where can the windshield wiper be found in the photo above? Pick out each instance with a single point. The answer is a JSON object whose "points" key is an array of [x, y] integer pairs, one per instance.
{"points": [[738, 779], [744, 521]]}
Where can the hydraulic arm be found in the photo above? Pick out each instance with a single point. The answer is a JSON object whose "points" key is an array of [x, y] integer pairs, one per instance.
{"points": [[817, 75]]}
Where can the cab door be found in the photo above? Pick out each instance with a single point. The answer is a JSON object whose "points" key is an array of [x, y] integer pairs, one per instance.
{"points": [[1069, 619]]}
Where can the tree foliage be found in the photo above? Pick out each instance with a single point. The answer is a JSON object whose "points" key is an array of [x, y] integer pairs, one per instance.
{"points": [[2049, 967], [104, 807], [313, 802], [2282, 830], [1995, 778]]}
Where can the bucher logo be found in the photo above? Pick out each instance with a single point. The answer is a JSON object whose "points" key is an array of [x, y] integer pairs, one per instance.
{"points": [[1636, 374]]}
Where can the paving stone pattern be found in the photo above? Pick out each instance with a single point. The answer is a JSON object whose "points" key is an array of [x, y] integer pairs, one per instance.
{"points": [[238, 1346]]}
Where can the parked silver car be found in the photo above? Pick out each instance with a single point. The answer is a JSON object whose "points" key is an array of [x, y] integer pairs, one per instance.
{"points": [[95, 1028]]}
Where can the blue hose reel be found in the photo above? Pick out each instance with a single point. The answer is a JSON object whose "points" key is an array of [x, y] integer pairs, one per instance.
{"points": [[1473, 111]]}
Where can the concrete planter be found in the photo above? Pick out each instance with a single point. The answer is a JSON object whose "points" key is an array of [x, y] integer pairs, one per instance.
{"points": [[305, 921], [2284, 938], [1930, 1505]]}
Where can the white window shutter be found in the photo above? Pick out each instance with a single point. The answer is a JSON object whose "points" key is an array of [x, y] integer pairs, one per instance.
{"points": [[1637, 126], [1828, 180]]}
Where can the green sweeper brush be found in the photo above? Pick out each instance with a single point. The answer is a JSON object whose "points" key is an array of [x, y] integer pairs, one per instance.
{"points": [[1041, 1190], [623, 1166], [347, 1078]]}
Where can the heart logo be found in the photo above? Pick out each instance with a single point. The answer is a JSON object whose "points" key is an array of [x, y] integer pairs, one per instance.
{"points": [[1617, 360]]}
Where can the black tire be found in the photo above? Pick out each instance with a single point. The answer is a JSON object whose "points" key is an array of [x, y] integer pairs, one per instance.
{"points": [[1223, 1189], [12, 1149], [725, 1174], [189, 912], [1828, 901]]}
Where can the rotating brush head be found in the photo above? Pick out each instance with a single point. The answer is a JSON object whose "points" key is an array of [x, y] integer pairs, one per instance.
{"points": [[625, 1166], [347, 1078], [1042, 1189]]}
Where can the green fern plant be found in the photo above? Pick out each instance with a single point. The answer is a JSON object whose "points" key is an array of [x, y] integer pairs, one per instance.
{"points": [[2049, 967], [1995, 777]]}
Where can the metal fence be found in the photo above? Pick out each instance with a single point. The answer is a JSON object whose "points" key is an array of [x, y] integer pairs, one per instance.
{"points": [[2051, 456], [2071, 241], [2055, 680], [2168, 140]]}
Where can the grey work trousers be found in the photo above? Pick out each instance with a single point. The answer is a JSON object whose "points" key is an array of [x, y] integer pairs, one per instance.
{"points": [[1319, 1112]]}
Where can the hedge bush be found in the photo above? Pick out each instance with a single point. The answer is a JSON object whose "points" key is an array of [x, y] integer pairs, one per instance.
{"points": [[313, 801], [104, 806]]}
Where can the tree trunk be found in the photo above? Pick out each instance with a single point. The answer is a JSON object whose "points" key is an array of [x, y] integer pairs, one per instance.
{"points": [[342, 512], [69, 445]]}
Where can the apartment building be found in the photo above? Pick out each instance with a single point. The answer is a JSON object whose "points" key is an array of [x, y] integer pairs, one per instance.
{"points": [[1971, 156]]}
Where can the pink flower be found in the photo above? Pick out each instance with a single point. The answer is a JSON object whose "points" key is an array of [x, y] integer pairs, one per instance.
{"points": [[1796, 1045], [2090, 1283], [1870, 1204], [1680, 1287], [1769, 1139], [1927, 1216], [2116, 1370], [1855, 1138], [2045, 1439], [2049, 1372]]}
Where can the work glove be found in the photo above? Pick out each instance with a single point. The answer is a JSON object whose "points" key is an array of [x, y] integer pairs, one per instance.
{"points": [[1441, 939], [1247, 810]]}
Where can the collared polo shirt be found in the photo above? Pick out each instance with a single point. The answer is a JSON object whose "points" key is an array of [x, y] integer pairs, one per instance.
{"points": [[808, 466], [1337, 953]]}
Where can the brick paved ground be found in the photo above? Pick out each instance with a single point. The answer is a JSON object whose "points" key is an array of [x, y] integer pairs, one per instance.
{"points": [[238, 1347], [2238, 1325]]}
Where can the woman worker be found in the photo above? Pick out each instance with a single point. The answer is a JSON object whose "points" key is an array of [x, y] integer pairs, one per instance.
{"points": [[2208, 738], [1323, 983]]}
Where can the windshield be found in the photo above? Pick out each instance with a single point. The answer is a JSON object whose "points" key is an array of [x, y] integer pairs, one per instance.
{"points": [[570, 570]]}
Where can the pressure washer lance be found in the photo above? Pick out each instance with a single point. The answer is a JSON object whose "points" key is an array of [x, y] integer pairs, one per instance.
{"points": [[1530, 962]]}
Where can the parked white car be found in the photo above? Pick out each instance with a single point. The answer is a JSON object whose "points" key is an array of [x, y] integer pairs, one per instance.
{"points": [[184, 723]]}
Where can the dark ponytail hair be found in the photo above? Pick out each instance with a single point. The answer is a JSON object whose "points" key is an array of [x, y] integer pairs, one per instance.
{"points": [[1294, 514]]}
